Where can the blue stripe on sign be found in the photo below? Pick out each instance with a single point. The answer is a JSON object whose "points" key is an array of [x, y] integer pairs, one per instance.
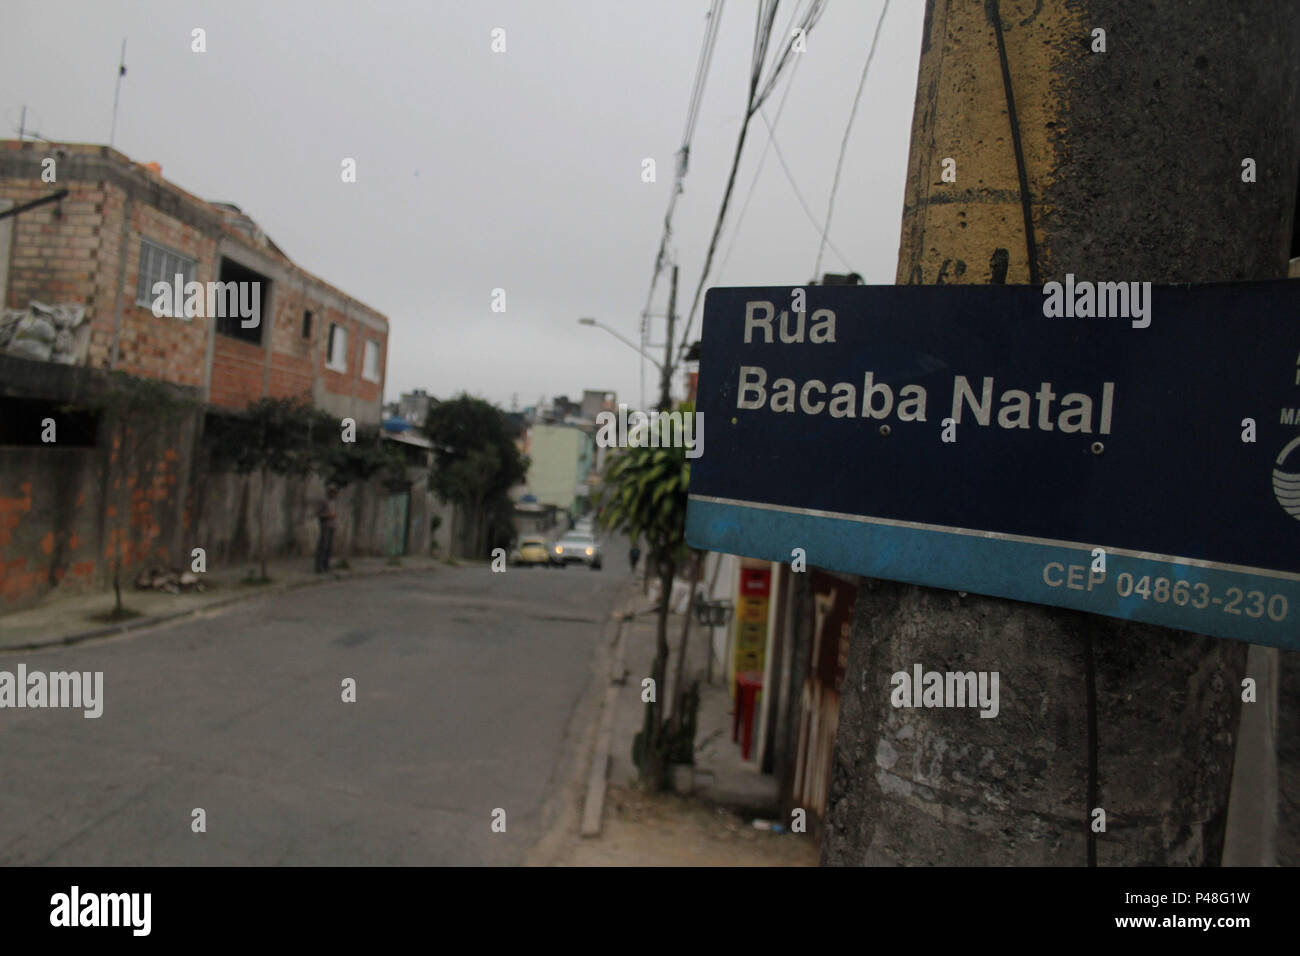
{"points": [[1239, 604]]}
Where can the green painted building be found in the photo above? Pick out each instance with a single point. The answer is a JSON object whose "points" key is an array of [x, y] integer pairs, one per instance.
{"points": [[560, 460]]}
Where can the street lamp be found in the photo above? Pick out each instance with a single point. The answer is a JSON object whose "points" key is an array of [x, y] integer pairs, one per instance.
{"points": [[628, 343]]}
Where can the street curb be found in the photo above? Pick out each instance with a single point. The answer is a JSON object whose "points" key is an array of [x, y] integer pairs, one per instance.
{"points": [[147, 621], [593, 807]]}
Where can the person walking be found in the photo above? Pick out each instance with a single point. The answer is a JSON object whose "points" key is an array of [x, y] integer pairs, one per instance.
{"points": [[327, 514], [634, 555]]}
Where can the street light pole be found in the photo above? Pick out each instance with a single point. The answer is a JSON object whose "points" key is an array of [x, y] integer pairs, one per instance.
{"points": [[664, 376], [666, 366]]}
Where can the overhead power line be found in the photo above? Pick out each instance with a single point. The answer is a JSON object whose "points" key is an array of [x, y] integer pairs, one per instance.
{"points": [[799, 195], [809, 20], [772, 144], [762, 158], [714, 18], [759, 90], [844, 144]]}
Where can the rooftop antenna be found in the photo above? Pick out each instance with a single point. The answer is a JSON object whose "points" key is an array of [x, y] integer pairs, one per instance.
{"points": [[22, 129], [117, 89]]}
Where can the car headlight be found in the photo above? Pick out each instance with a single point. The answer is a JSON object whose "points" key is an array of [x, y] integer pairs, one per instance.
{"points": [[559, 551], [590, 552]]}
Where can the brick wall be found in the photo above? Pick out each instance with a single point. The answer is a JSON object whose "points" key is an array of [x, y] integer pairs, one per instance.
{"points": [[368, 391], [349, 392], [292, 353], [173, 349], [237, 372], [68, 513], [54, 257]]}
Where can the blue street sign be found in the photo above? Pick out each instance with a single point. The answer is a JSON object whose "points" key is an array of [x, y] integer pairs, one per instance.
{"points": [[1117, 448]]}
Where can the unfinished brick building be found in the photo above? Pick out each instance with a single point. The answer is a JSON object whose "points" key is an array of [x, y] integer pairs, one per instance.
{"points": [[120, 229], [123, 227]]}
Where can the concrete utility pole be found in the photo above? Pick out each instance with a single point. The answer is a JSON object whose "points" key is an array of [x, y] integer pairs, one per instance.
{"points": [[666, 370], [1133, 159]]}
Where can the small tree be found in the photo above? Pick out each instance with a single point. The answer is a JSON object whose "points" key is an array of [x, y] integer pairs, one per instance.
{"points": [[478, 463], [355, 462], [273, 436], [344, 463], [643, 494]]}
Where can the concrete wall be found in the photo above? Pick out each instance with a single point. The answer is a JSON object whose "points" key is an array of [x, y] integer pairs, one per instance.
{"points": [[231, 514], [66, 512], [441, 540], [61, 522]]}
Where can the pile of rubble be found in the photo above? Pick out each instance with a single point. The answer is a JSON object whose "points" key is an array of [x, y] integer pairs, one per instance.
{"points": [[46, 333], [173, 582]]}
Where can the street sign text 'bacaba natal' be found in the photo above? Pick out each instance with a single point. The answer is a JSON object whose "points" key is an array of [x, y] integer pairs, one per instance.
{"points": [[839, 400], [966, 437]]}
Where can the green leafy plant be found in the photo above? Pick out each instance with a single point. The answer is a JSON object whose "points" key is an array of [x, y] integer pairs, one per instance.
{"points": [[345, 463], [643, 495]]}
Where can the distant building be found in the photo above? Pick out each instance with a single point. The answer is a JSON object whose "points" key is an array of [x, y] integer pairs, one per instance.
{"points": [[532, 517], [562, 409], [692, 362], [595, 402], [414, 406], [561, 458], [516, 422]]}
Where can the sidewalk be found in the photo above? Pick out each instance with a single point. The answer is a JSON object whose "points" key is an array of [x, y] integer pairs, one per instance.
{"points": [[710, 826], [75, 617]]}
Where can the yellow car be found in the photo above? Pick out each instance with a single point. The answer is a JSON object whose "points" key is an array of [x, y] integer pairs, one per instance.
{"points": [[531, 551]]}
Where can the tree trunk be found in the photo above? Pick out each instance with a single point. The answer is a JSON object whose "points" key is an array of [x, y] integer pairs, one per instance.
{"points": [[123, 515], [357, 490], [481, 542], [654, 763], [1133, 160], [478, 533], [679, 691], [261, 527]]}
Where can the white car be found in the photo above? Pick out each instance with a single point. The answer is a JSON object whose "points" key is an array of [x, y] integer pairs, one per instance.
{"points": [[576, 547]]}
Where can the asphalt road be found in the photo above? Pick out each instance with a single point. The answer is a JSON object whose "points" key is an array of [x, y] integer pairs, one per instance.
{"points": [[468, 688]]}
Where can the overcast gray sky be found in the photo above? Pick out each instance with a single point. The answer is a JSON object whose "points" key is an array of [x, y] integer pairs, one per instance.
{"points": [[479, 170]]}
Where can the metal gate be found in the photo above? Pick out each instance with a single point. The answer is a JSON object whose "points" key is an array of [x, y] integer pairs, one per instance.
{"points": [[397, 511]]}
